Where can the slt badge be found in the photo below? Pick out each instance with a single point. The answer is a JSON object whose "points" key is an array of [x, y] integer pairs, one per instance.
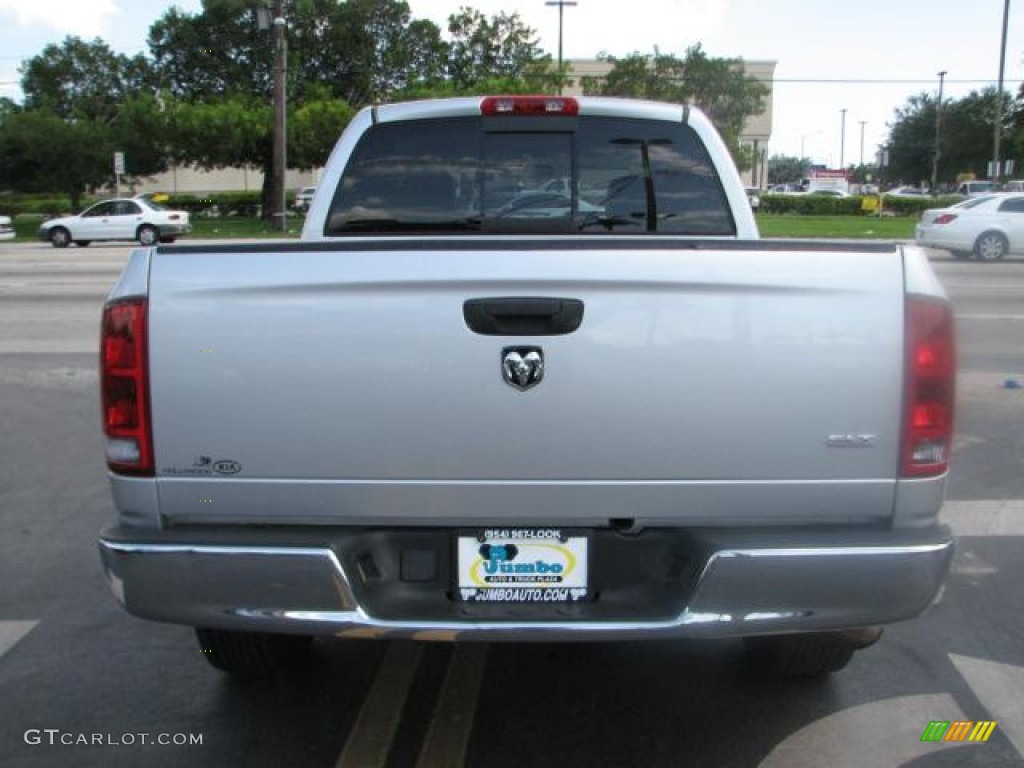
{"points": [[522, 367]]}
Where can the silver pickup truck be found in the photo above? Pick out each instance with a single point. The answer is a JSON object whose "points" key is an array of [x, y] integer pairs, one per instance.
{"points": [[530, 375]]}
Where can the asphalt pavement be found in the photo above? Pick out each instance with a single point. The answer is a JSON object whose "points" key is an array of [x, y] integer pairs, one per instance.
{"points": [[83, 683]]}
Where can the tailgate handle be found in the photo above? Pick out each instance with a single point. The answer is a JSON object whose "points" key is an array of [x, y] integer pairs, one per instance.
{"points": [[515, 316]]}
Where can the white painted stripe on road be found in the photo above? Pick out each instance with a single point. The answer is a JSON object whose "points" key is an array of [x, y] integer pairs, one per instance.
{"points": [[370, 740], [448, 736], [960, 442], [974, 316], [968, 563], [1000, 688], [50, 346], [12, 631], [880, 734], [985, 518]]}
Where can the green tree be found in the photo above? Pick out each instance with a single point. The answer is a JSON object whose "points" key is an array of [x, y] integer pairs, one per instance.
{"points": [[231, 132], [501, 47], [79, 80], [213, 54], [42, 152], [84, 102], [966, 136], [359, 51], [721, 88], [784, 169], [221, 63], [315, 128], [236, 132], [912, 140]]}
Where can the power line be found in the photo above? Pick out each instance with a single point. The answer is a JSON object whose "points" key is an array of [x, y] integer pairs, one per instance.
{"points": [[24, 57], [882, 81]]}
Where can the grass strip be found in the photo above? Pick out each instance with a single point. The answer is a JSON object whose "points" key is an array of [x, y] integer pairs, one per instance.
{"points": [[841, 227], [782, 225]]}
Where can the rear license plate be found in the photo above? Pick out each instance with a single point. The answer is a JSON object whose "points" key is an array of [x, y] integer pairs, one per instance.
{"points": [[522, 565]]}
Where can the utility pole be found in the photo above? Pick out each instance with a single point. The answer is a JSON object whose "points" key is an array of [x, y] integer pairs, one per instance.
{"points": [[862, 124], [561, 8], [280, 212], [842, 138], [998, 130], [938, 129]]}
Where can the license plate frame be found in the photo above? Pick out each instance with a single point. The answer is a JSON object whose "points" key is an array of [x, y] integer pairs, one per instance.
{"points": [[522, 564]]}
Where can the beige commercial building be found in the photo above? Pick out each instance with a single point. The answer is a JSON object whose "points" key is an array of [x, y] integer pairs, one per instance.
{"points": [[187, 180]]}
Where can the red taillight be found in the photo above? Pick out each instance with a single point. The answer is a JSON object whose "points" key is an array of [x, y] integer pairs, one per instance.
{"points": [[529, 105], [124, 385], [945, 218], [930, 387]]}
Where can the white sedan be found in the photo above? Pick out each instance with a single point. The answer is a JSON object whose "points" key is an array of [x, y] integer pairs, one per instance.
{"points": [[911, 192], [121, 219], [989, 227], [6, 228]]}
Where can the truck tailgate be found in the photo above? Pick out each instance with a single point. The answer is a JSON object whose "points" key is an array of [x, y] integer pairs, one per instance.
{"points": [[711, 383]]}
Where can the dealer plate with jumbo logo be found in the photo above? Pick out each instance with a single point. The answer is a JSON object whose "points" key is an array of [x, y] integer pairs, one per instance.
{"points": [[522, 565]]}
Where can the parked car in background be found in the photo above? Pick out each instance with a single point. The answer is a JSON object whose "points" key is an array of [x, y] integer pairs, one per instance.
{"points": [[1017, 185], [829, 193], [915, 192], [975, 188], [785, 189], [987, 227], [119, 219], [6, 228], [754, 196], [304, 198]]}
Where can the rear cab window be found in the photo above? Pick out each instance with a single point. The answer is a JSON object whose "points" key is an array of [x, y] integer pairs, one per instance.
{"points": [[478, 174]]}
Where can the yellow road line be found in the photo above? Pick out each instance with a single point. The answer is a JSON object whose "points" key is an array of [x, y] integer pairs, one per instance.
{"points": [[370, 739]]}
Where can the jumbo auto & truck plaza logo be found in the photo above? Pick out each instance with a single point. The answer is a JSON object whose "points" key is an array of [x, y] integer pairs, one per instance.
{"points": [[958, 730]]}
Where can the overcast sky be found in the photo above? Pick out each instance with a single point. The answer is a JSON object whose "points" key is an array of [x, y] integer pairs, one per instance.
{"points": [[868, 56]]}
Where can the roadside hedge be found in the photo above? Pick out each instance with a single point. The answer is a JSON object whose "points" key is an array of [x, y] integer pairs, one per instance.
{"points": [[218, 203], [811, 205], [214, 204], [823, 205], [43, 206], [910, 206]]}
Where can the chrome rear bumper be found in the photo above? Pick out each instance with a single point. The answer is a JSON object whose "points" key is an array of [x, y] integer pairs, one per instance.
{"points": [[804, 585]]}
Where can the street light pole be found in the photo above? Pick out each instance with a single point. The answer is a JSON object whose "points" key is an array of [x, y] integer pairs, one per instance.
{"points": [[842, 138], [280, 163], [862, 124], [561, 7], [999, 95], [938, 129]]}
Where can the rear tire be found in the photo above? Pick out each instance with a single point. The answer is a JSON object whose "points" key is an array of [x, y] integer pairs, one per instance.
{"points": [[167, 240], [148, 235], [990, 246], [814, 654], [253, 654], [60, 237]]}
